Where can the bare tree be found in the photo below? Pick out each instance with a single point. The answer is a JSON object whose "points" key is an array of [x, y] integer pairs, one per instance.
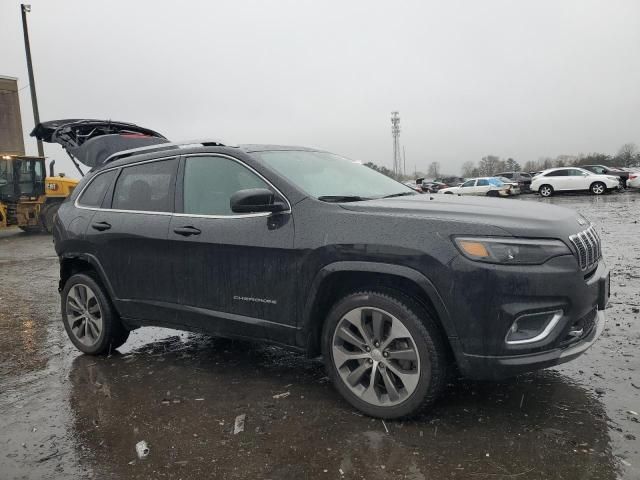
{"points": [[511, 165], [467, 169], [490, 165], [434, 170], [627, 155]]}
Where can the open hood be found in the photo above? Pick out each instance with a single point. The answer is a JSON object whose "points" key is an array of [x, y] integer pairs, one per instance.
{"points": [[91, 142]]}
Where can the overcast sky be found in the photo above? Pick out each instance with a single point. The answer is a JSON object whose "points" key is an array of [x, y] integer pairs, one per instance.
{"points": [[524, 79]]}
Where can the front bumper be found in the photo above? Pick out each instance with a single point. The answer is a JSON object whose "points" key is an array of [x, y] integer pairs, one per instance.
{"points": [[497, 296], [495, 367]]}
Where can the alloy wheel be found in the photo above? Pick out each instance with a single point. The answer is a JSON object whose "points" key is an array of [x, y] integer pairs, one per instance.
{"points": [[376, 356], [598, 188], [545, 191], [84, 315]]}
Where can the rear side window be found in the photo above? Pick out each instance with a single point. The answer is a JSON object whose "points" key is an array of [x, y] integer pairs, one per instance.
{"points": [[147, 187], [209, 183], [93, 195], [557, 173], [483, 182]]}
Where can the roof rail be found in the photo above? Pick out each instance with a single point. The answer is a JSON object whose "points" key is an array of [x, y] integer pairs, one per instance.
{"points": [[161, 147]]}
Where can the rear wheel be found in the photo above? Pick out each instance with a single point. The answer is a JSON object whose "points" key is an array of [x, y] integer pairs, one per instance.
{"points": [[546, 190], [384, 354], [492, 193], [598, 188], [89, 318]]}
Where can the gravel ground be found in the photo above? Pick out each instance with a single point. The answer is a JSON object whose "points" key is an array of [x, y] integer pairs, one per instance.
{"points": [[65, 415]]}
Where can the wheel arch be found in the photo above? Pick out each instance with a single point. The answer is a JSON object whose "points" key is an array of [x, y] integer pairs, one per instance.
{"points": [[338, 279], [73, 263]]}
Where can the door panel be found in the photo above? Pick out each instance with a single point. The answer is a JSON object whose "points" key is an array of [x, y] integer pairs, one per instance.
{"points": [[133, 251], [232, 273], [131, 241]]}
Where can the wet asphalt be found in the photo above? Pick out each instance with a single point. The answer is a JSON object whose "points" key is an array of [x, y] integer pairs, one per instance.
{"points": [[66, 415]]}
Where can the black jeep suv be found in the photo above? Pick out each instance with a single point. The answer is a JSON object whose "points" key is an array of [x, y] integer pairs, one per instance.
{"points": [[309, 250]]}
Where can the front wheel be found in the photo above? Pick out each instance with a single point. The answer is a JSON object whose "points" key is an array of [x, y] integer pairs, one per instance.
{"points": [[384, 354], [598, 188], [546, 190], [89, 319]]}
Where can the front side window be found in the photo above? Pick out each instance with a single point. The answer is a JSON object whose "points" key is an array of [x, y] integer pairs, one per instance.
{"points": [[469, 183], [325, 175], [93, 195], [210, 181], [146, 187]]}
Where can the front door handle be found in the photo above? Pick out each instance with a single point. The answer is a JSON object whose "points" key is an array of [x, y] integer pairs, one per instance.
{"points": [[187, 231], [101, 226]]}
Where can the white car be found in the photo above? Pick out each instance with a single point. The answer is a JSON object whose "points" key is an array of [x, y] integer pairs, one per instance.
{"points": [[489, 186], [633, 180], [572, 179]]}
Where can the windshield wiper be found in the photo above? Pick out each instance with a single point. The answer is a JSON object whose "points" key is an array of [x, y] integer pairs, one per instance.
{"points": [[342, 198], [402, 194]]}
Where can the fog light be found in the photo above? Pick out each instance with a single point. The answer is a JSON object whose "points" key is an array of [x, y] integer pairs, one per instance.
{"points": [[532, 327]]}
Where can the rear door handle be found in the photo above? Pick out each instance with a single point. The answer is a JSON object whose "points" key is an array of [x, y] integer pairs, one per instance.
{"points": [[187, 231], [101, 226]]}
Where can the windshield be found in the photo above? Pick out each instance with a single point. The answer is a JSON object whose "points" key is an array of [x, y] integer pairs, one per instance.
{"points": [[331, 177]]}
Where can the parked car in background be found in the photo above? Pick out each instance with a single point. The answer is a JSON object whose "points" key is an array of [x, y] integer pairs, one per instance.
{"points": [[523, 179], [634, 179], [489, 186], [573, 179], [515, 186], [413, 185], [433, 187], [613, 171], [450, 181]]}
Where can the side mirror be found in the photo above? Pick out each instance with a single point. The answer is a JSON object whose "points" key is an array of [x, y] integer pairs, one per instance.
{"points": [[254, 200]]}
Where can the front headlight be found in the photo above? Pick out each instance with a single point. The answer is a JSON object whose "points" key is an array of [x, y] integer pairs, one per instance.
{"points": [[510, 251]]}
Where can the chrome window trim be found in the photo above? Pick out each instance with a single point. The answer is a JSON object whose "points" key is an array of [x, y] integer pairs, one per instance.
{"points": [[97, 209], [174, 214]]}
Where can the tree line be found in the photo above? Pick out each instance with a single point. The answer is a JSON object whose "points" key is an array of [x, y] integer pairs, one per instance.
{"points": [[627, 156]]}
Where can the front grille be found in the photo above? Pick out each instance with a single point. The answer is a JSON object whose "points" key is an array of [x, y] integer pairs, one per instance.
{"points": [[588, 248]]}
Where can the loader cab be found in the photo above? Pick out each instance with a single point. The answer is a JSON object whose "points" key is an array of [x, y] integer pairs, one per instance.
{"points": [[21, 177]]}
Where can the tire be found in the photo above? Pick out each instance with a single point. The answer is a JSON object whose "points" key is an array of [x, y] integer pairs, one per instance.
{"points": [[545, 190], [598, 188], [419, 371], [86, 300], [47, 217], [492, 193], [31, 229]]}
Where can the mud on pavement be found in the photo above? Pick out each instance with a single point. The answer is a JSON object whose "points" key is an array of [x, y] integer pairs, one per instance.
{"points": [[65, 415]]}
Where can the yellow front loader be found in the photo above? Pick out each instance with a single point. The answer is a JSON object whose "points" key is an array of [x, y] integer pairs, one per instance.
{"points": [[29, 199]]}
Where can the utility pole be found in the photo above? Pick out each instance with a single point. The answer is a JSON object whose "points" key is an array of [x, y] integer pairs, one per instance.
{"points": [[395, 132], [404, 161], [32, 84]]}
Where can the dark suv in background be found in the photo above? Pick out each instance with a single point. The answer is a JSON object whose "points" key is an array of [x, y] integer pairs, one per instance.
{"points": [[523, 179], [623, 175], [312, 251]]}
